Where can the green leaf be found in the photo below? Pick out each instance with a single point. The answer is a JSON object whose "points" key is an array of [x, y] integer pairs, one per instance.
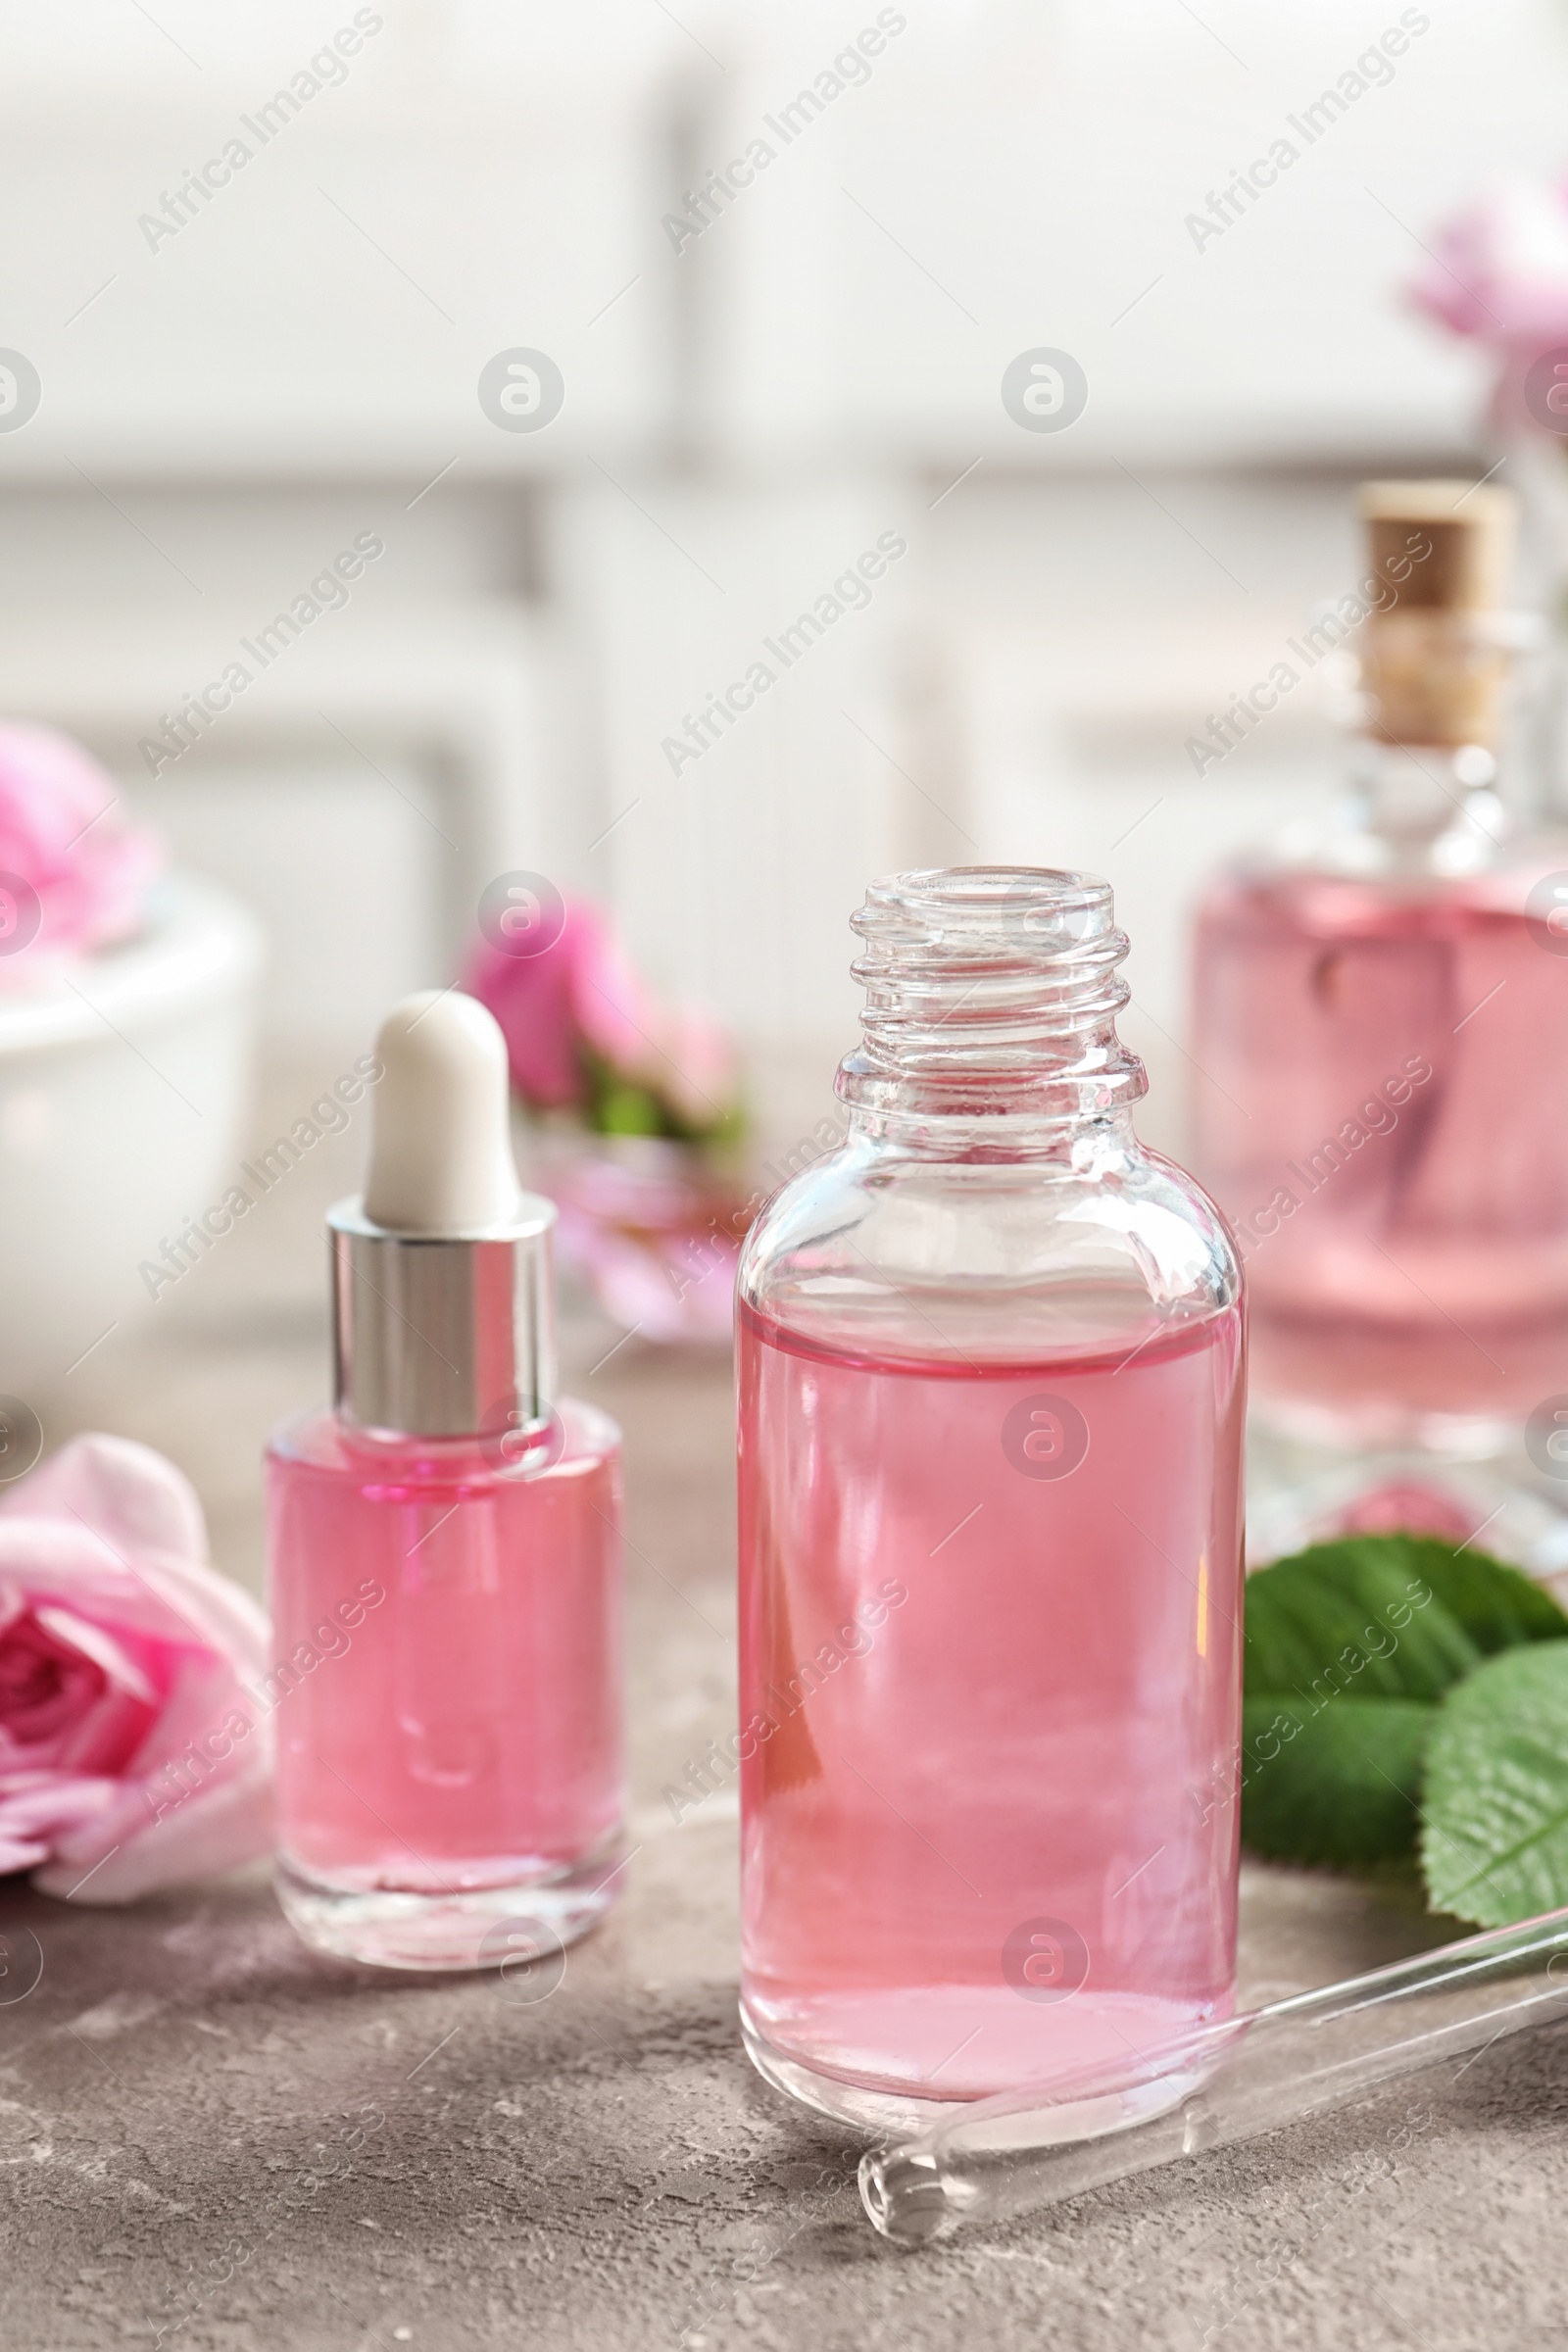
{"points": [[1338, 1785], [1349, 1648], [1494, 1840], [627, 1109], [1352, 1615], [1497, 1606]]}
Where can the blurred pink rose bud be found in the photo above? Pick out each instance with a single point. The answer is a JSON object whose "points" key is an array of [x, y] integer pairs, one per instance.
{"points": [[1501, 269], [581, 1028], [531, 998], [74, 875], [702, 1074], [134, 1752], [616, 1016]]}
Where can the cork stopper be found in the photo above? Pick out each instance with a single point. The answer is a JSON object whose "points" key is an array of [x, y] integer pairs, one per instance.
{"points": [[1433, 665]]}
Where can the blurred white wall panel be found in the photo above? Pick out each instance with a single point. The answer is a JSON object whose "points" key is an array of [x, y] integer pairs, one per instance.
{"points": [[1074, 635], [735, 872], [1073, 761], [484, 176], [338, 864], [331, 299], [816, 366], [972, 200]]}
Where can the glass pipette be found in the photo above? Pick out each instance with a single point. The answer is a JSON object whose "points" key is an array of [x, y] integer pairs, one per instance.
{"points": [[1044, 2141]]}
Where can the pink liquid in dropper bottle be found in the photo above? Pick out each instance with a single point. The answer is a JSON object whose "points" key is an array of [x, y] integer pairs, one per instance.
{"points": [[444, 1558]]}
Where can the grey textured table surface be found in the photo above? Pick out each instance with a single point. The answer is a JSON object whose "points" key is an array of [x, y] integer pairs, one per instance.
{"points": [[210, 2137]]}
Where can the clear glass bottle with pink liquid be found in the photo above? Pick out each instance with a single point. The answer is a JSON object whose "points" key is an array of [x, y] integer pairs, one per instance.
{"points": [[991, 1377], [1381, 1036], [445, 1559]]}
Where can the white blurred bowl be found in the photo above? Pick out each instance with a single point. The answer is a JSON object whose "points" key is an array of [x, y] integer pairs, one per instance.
{"points": [[121, 1085]]}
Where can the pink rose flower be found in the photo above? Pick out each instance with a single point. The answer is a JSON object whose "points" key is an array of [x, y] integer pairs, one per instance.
{"points": [[1500, 274], [654, 1232], [531, 998], [61, 835], [700, 1074], [618, 1017], [578, 1002], [132, 1756]]}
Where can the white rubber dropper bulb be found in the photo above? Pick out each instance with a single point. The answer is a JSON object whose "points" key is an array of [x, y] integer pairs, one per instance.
{"points": [[440, 1138]]}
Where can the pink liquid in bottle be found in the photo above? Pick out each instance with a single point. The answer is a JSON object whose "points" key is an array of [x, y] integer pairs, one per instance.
{"points": [[444, 1556], [990, 1689], [1380, 1116], [447, 1686]]}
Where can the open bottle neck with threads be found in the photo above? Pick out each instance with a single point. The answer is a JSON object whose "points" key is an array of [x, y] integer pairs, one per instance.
{"points": [[991, 1202], [989, 1021]]}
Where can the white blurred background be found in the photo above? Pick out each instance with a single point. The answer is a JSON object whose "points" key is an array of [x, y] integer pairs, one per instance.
{"points": [[226, 404]]}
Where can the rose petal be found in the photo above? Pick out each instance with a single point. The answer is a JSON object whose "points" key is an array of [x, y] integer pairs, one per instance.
{"points": [[61, 828], [170, 1599], [1501, 269], [202, 1696], [95, 1641], [126, 1492], [530, 997], [218, 1827], [614, 1012], [219, 1612], [52, 1801], [130, 1674], [700, 1076]]}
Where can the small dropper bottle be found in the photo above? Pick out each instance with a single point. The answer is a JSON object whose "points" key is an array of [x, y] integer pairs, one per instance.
{"points": [[444, 1556]]}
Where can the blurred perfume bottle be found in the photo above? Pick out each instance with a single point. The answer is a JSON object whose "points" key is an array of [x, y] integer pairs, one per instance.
{"points": [[445, 1559], [991, 1390], [1381, 1028]]}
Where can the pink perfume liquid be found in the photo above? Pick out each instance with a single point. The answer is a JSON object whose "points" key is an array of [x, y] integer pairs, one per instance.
{"points": [[447, 1687], [991, 1829], [1382, 1117]]}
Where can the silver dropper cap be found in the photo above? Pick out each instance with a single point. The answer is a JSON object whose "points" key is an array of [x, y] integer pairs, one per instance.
{"points": [[443, 1312], [446, 1336]]}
